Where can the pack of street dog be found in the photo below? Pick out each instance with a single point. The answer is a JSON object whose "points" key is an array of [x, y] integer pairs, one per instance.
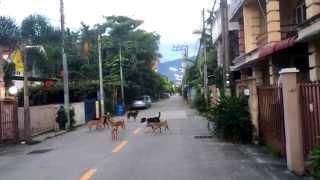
{"points": [[108, 121], [155, 123]]}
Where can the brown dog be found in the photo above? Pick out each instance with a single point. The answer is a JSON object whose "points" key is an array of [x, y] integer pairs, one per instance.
{"points": [[115, 125], [106, 119], [97, 123], [159, 125], [115, 133]]}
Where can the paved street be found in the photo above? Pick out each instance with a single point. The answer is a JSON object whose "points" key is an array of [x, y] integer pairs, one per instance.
{"points": [[142, 155]]}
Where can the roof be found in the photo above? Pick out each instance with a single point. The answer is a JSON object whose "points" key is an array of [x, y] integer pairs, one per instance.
{"points": [[262, 52]]}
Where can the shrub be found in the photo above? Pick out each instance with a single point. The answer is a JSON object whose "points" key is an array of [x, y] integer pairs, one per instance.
{"points": [[62, 118], [315, 163], [232, 119], [199, 102]]}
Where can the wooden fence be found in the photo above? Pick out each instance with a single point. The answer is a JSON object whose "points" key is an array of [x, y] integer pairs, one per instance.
{"points": [[8, 121], [310, 116], [271, 118]]}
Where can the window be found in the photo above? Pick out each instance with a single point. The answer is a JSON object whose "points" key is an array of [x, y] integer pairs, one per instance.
{"points": [[301, 14]]}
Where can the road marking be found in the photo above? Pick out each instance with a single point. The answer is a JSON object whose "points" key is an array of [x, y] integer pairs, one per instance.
{"points": [[120, 146], [88, 174], [135, 132]]}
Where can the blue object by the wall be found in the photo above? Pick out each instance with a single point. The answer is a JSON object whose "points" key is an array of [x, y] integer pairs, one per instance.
{"points": [[120, 110]]}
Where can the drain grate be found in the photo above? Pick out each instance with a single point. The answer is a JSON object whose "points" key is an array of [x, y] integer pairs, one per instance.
{"points": [[40, 151], [203, 137]]}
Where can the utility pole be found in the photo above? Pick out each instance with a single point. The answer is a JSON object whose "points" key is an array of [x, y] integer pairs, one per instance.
{"points": [[101, 77], [185, 49], [121, 74], [26, 106], [65, 68], [205, 70], [225, 46]]}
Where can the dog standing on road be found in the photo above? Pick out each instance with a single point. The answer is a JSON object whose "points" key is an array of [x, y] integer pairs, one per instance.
{"points": [[97, 123], [133, 114], [151, 120], [115, 125], [159, 125]]}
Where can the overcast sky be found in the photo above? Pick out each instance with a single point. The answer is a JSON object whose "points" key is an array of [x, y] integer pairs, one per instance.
{"points": [[174, 20]]}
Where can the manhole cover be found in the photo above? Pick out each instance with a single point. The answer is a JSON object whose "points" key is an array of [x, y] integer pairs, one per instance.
{"points": [[40, 151], [203, 137]]}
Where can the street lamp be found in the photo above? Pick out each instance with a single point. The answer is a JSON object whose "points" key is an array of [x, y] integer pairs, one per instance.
{"points": [[26, 105], [13, 90]]}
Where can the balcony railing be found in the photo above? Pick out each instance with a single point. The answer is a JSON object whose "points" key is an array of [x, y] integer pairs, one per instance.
{"points": [[288, 31]]}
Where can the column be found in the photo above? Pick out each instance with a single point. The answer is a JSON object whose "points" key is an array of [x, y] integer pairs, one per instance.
{"points": [[293, 126], [314, 61], [313, 8], [273, 21]]}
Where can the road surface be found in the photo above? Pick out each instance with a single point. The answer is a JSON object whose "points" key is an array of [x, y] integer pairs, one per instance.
{"points": [[140, 154]]}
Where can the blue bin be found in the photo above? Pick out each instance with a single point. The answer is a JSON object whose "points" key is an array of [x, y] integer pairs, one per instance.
{"points": [[120, 110]]}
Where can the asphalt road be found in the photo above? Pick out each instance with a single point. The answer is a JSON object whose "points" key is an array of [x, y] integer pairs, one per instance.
{"points": [[140, 154]]}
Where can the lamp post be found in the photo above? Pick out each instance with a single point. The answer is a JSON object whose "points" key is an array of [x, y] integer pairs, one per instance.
{"points": [[26, 105], [65, 67], [101, 77]]}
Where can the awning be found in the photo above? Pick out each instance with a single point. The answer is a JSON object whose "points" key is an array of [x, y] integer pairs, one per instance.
{"points": [[270, 49]]}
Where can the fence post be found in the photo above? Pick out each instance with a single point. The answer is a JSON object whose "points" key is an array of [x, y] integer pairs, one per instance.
{"points": [[292, 119]]}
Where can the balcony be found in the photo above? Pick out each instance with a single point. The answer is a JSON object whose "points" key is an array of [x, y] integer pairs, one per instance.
{"points": [[235, 6]]}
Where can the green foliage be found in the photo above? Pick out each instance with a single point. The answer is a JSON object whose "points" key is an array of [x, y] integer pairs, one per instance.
{"points": [[9, 32], [199, 102], [139, 54], [315, 163], [232, 119], [61, 118]]}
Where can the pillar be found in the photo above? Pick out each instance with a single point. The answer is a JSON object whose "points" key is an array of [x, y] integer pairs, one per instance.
{"points": [[314, 61], [251, 25], [293, 126], [313, 8], [273, 21], [272, 72]]}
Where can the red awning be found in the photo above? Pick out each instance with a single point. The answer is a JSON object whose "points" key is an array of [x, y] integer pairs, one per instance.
{"points": [[270, 49]]}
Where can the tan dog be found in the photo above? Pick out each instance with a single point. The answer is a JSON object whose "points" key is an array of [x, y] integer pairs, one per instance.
{"points": [[97, 123], [115, 133], [159, 125], [113, 123], [106, 119]]}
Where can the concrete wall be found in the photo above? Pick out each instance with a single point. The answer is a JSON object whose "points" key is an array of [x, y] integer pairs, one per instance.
{"points": [[79, 113], [43, 118]]}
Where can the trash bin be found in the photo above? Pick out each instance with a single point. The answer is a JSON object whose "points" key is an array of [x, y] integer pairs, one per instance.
{"points": [[120, 110]]}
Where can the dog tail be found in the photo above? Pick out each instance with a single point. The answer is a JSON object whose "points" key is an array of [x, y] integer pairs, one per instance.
{"points": [[159, 115]]}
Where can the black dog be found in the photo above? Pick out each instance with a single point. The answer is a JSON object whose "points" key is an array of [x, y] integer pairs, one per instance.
{"points": [[151, 120], [133, 114]]}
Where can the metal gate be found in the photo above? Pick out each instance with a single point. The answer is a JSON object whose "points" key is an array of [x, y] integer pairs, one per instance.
{"points": [[8, 121], [271, 118], [90, 109]]}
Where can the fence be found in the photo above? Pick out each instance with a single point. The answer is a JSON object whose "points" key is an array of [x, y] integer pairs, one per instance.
{"points": [[271, 118], [8, 121], [310, 114]]}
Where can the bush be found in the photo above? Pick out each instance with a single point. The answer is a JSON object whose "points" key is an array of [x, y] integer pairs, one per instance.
{"points": [[62, 118], [199, 102], [315, 163], [232, 119]]}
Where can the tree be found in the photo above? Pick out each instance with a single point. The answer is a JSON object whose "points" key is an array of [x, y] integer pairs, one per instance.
{"points": [[9, 32]]}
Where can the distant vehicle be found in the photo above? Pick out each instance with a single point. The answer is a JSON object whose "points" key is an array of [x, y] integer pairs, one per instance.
{"points": [[165, 95], [142, 102]]}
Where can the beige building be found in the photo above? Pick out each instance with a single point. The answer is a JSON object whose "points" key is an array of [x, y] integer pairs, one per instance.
{"points": [[270, 40]]}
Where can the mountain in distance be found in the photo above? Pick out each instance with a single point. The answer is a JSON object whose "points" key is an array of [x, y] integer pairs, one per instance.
{"points": [[172, 69]]}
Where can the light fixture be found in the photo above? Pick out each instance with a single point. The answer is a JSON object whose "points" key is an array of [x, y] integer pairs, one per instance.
{"points": [[13, 90]]}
